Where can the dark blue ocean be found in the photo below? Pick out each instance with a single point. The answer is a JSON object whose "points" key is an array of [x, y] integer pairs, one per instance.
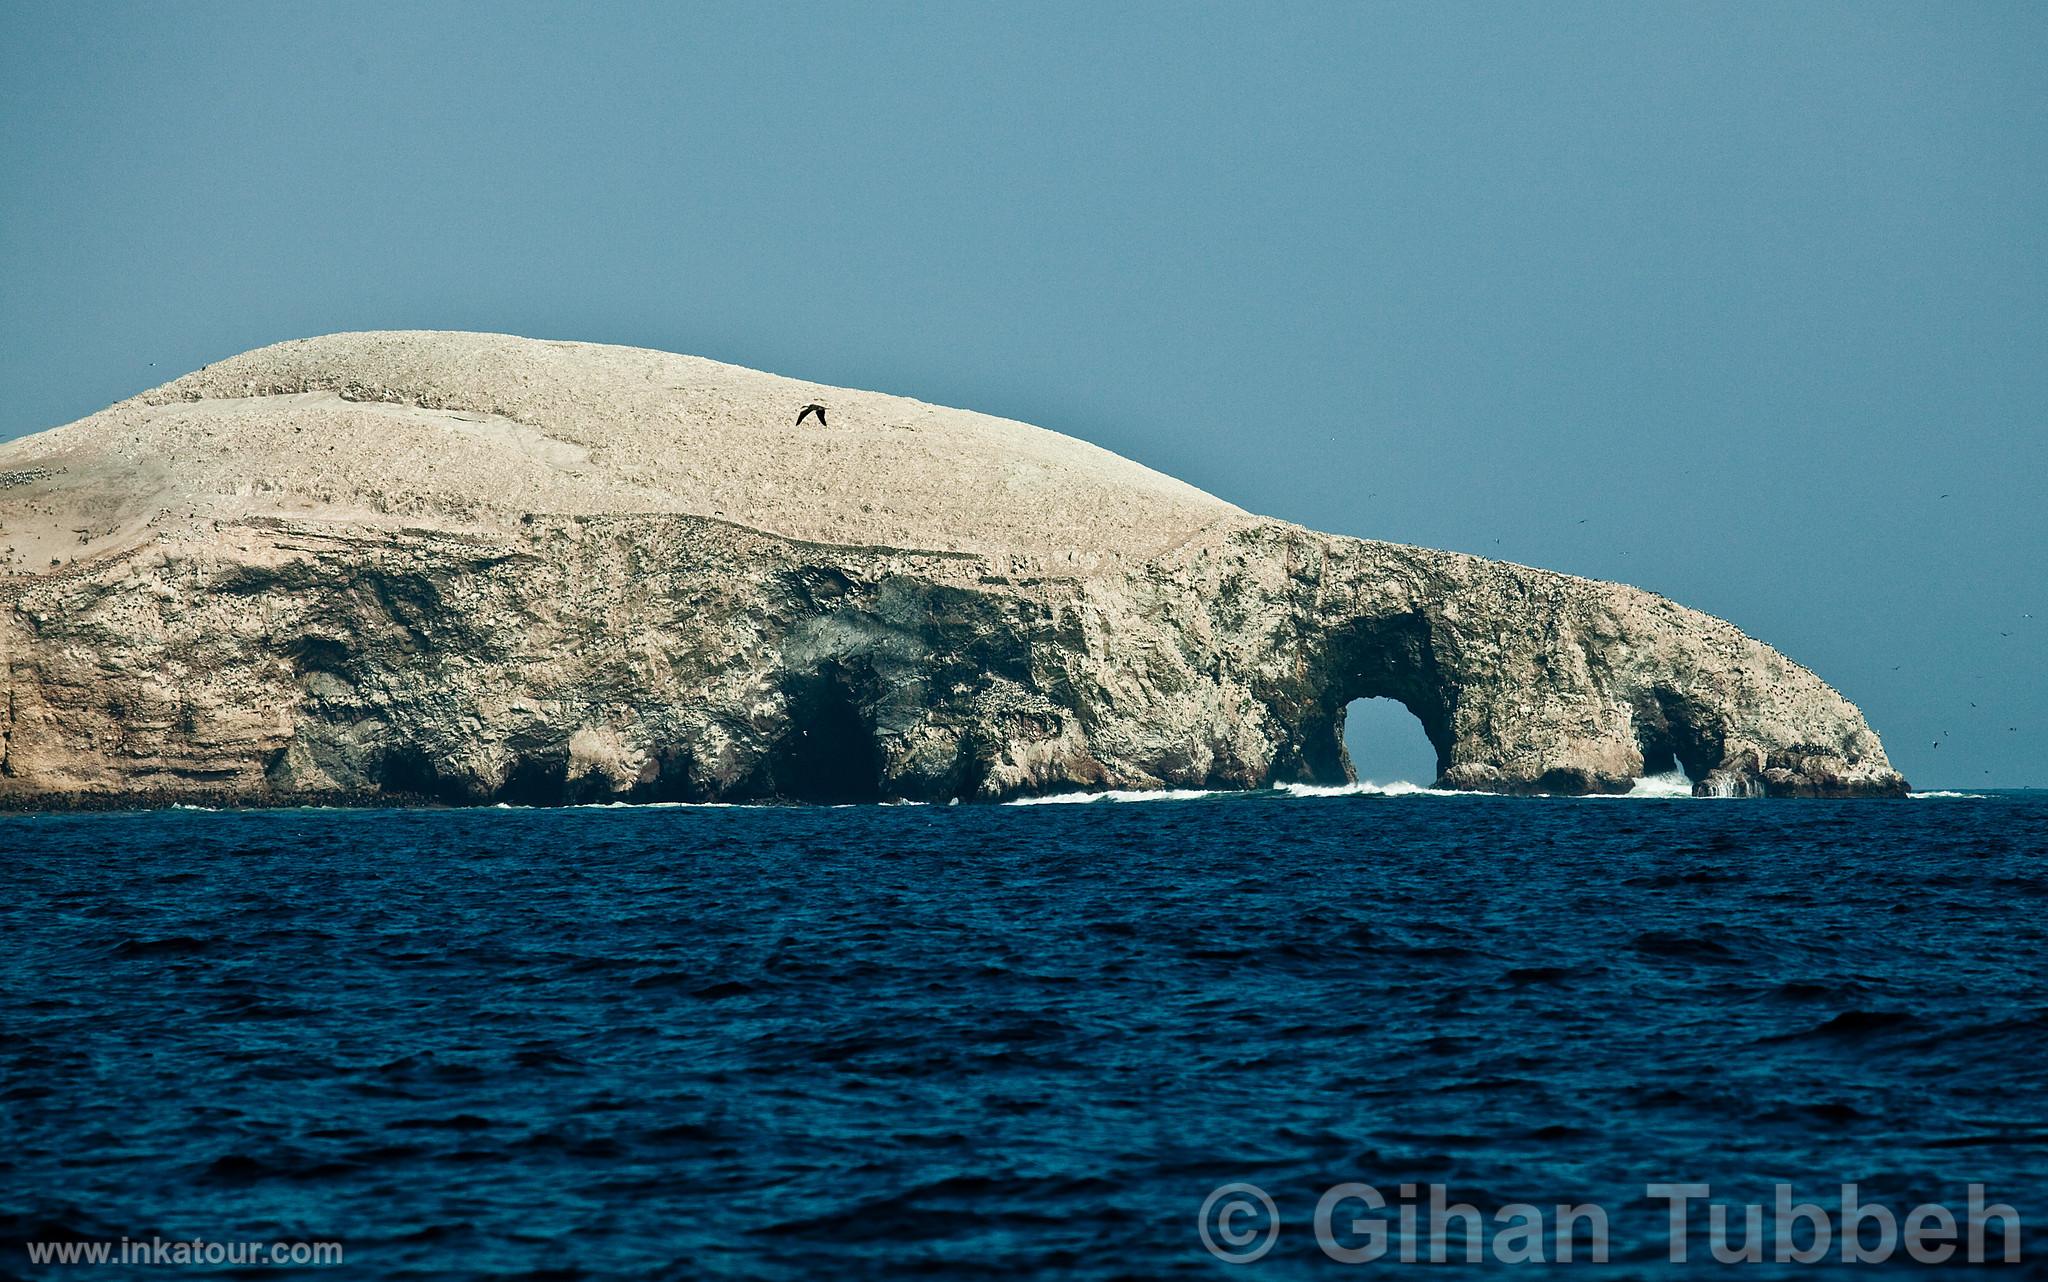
{"points": [[1010, 1042]]}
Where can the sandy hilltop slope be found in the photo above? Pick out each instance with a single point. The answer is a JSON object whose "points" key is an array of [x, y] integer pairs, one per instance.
{"points": [[471, 567]]}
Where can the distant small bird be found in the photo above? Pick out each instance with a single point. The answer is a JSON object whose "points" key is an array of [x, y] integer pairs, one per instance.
{"points": [[1937, 743], [1944, 496], [809, 410]]}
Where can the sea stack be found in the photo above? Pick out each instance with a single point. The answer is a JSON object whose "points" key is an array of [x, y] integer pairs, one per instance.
{"points": [[470, 568]]}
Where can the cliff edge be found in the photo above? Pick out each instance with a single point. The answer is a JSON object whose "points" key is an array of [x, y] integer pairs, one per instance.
{"points": [[472, 568]]}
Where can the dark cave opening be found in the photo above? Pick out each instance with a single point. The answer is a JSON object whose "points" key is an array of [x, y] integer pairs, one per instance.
{"points": [[541, 778], [1659, 759], [1672, 737], [408, 771], [829, 754], [536, 781]]}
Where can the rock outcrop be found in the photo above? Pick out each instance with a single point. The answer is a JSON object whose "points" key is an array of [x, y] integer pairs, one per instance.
{"points": [[473, 568]]}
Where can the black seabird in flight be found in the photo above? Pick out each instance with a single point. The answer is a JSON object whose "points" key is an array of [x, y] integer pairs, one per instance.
{"points": [[809, 410]]}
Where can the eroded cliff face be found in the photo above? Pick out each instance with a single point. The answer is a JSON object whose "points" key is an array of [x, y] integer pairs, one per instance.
{"points": [[470, 568]]}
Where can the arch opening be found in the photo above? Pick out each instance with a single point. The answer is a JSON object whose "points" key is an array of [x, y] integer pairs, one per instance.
{"points": [[1385, 743]]}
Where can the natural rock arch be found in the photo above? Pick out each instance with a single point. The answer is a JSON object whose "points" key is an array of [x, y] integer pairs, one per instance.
{"points": [[1368, 658]]}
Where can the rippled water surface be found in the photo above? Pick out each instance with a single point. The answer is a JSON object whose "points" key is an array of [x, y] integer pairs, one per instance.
{"points": [[1003, 1041]]}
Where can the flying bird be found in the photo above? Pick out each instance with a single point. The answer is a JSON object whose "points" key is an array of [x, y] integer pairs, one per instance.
{"points": [[809, 410]]}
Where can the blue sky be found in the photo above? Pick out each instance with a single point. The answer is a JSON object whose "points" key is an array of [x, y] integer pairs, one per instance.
{"points": [[1721, 300]]}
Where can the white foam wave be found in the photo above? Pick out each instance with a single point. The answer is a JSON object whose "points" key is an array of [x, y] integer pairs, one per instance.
{"points": [[647, 805], [1363, 788], [1113, 794], [704, 805], [1670, 784], [1964, 796]]}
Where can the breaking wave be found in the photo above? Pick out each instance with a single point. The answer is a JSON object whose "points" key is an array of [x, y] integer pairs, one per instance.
{"points": [[1364, 788], [1671, 784], [1657, 787], [1115, 794]]}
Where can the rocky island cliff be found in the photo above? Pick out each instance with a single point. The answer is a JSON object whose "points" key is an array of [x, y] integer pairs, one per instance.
{"points": [[476, 568]]}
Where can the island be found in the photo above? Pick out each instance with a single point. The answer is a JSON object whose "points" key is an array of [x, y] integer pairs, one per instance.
{"points": [[455, 568]]}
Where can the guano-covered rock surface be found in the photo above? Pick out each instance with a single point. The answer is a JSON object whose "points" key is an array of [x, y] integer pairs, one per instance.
{"points": [[477, 568]]}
